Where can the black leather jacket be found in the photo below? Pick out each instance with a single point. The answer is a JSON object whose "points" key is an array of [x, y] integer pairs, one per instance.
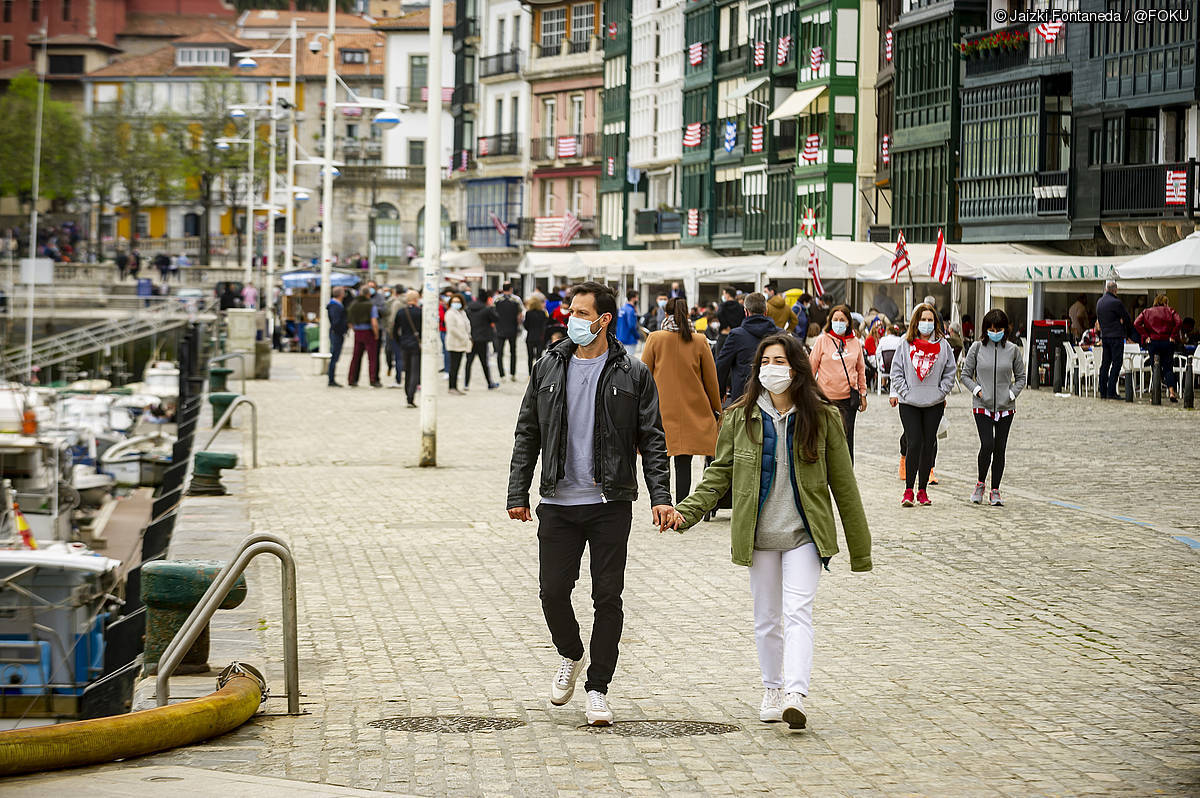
{"points": [[627, 422]]}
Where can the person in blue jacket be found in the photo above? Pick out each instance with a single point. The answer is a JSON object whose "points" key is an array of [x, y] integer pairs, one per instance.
{"points": [[627, 321], [737, 354]]}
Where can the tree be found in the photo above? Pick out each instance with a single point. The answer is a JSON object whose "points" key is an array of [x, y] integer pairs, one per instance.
{"points": [[98, 175], [203, 162], [61, 133]]}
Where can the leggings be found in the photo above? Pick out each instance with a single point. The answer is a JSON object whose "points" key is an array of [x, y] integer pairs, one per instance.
{"points": [[479, 349], [456, 359], [993, 439], [849, 410], [920, 430], [683, 476]]}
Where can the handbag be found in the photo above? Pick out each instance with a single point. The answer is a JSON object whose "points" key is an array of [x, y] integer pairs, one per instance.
{"points": [[855, 396]]}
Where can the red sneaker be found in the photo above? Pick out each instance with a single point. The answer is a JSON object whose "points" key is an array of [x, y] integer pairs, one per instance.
{"points": [[907, 501], [923, 498]]}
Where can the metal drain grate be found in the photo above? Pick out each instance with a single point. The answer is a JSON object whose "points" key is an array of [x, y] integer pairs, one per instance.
{"points": [[447, 724], [663, 728]]}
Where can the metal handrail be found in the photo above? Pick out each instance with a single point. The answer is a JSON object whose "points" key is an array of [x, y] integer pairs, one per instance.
{"points": [[238, 354], [197, 621], [234, 405]]}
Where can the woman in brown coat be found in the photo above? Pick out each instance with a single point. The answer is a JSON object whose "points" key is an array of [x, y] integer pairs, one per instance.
{"points": [[688, 398]]}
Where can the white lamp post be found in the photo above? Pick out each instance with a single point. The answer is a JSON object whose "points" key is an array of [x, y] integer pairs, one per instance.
{"points": [[430, 341]]}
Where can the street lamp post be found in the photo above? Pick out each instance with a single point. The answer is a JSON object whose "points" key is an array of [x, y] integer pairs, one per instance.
{"points": [[33, 213], [253, 139], [327, 186], [430, 341]]}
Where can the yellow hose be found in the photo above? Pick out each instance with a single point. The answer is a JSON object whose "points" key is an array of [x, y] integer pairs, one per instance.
{"points": [[88, 742]]}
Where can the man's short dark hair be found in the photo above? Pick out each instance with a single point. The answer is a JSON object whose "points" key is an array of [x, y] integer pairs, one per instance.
{"points": [[805, 297], [730, 290], [506, 287], [486, 294], [604, 297], [631, 295], [756, 304]]}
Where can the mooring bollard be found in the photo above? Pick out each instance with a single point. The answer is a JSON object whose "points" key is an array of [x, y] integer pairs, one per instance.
{"points": [[1156, 382], [206, 474], [1059, 376], [1189, 389], [170, 590], [1128, 386]]}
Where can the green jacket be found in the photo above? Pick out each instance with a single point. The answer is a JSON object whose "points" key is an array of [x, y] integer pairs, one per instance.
{"points": [[739, 461]]}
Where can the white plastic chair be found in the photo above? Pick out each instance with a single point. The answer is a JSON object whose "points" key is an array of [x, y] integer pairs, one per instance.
{"points": [[1069, 364], [1134, 364], [1089, 373]]}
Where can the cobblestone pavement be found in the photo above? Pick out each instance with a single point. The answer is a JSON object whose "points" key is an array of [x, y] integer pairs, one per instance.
{"points": [[1044, 648]]}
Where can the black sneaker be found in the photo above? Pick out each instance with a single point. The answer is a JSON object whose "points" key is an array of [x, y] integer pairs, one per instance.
{"points": [[335, 385]]}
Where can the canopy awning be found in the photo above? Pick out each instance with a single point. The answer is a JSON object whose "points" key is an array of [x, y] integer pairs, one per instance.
{"points": [[838, 260], [796, 102], [1173, 266], [745, 89], [1001, 262], [461, 259]]}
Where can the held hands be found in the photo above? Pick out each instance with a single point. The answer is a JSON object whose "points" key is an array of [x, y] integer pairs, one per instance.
{"points": [[520, 514], [667, 517]]}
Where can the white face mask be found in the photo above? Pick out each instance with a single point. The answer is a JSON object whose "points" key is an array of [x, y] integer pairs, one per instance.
{"points": [[776, 379]]}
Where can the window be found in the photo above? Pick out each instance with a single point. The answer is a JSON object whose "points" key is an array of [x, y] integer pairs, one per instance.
{"points": [[8, 10], [554, 29], [35, 11], [583, 21], [202, 56], [514, 107], [416, 152], [500, 35], [418, 72], [728, 212], [1113, 140], [354, 56], [549, 109], [577, 115], [1056, 147], [1142, 139], [547, 199], [576, 194], [142, 225], [66, 10], [7, 47], [498, 118], [516, 33], [351, 130], [66, 64]]}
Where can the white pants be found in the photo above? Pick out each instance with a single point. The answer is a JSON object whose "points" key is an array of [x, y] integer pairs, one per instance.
{"points": [[784, 584]]}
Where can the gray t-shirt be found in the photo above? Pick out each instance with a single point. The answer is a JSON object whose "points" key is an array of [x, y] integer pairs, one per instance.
{"points": [[578, 484], [780, 525]]}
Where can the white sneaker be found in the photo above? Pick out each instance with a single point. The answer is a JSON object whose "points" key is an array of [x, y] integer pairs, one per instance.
{"points": [[563, 686], [771, 710], [598, 713], [793, 711], [977, 494]]}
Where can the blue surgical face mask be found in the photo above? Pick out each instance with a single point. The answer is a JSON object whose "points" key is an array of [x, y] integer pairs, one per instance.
{"points": [[456, 305], [838, 327], [580, 331], [662, 303], [925, 327], [996, 335]]}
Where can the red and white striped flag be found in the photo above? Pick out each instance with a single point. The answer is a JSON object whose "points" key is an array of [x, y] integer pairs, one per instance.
{"points": [[940, 269], [900, 261], [462, 161], [612, 166], [1176, 187], [811, 145], [696, 53], [570, 228], [783, 49], [485, 146], [692, 134], [498, 223], [887, 46], [809, 222], [885, 149], [756, 138], [568, 146], [260, 225], [1049, 30], [816, 57], [760, 53], [447, 94], [693, 222], [814, 270]]}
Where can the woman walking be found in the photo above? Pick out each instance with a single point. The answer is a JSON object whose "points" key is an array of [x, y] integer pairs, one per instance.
{"points": [[922, 376], [458, 338], [840, 366], [535, 323], [688, 397], [994, 372], [783, 450]]}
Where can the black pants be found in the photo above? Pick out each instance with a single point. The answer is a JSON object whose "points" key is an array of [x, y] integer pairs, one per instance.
{"points": [[920, 430], [534, 349], [1111, 358], [562, 533], [993, 440], [479, 349], [456, 359], [412, 372], [683, 476], [1164, 352], [849, 410], [512, 354]]}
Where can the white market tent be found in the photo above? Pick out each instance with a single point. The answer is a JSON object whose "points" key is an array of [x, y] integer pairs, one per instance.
{"points": [[1173, 266], [838, 260]]}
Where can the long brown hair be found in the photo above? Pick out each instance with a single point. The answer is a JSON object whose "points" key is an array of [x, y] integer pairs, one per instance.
{"points": [[938, 330], [839, 309], [806, 395], [678, 308]]}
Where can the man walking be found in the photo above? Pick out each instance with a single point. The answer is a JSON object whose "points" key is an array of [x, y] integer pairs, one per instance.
{"points": [[589, 410], [653, 319], [338, 327], [730, 314], [733, 364], [406, 332], [509, 312], [483, 319], [1115, 326], [364, 318]]}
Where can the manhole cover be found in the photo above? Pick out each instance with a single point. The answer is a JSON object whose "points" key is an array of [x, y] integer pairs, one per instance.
{"points": [[447, 724], [663, 728]]}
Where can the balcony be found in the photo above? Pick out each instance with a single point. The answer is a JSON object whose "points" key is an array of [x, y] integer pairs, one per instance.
{"points": [[381, 175], [418, 96], [543, 231], [463, 95], [467, 28], [1053, 193], [615, 100], [501, 145], [996, 50], [649, 225], [460, 162], [493, 66], [699, 150], [565, 148], [564, 57], [1142, 190]]}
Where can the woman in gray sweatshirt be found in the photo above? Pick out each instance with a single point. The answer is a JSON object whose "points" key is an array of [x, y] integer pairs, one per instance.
{"points": [[994, 372], [922, 376]]}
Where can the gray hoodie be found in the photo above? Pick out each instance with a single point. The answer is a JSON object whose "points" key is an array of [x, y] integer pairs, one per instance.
{"points": [[937, 383], [994, 374]]}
